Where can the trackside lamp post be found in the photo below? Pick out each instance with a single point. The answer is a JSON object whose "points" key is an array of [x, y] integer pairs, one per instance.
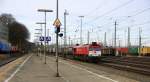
{"points": [[81, 29], [40, 23], [45, 11], [65, 35]]}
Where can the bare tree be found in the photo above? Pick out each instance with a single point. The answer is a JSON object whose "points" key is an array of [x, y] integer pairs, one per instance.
{"points": [[18, 33], [7, 19]]}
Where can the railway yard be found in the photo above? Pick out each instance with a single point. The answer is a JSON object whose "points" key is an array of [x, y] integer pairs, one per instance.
{"points": [[74, 41], [30, 68]]}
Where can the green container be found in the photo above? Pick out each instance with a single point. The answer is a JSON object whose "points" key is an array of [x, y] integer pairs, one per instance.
{"points": [[133, 50]]}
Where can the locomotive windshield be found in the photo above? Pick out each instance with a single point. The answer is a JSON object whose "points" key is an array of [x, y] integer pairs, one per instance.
{"points": [[94, 49]]}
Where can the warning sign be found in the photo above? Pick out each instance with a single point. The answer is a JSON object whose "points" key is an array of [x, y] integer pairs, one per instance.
{"points": [[57, 23]]}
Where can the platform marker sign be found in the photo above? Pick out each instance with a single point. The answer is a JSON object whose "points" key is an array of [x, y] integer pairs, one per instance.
{"points": [[48, 38], [41, 38]]}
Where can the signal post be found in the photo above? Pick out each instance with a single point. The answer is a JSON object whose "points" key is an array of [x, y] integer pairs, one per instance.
{"points": [[57, 25]]}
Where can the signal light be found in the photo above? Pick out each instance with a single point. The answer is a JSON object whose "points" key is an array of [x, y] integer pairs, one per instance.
{"points": [[60, 35], [57, 30]]}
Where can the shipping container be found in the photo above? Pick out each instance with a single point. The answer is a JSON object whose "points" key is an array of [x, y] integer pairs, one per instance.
{"points": [[122, 51], [133, 51], [145, 51]]}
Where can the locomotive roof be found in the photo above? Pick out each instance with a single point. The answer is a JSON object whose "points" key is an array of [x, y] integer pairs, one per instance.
{"points": [[86, 45]]}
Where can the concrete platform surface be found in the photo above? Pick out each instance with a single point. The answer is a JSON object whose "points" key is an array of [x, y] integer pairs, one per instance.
{"points": [[33, 69]]}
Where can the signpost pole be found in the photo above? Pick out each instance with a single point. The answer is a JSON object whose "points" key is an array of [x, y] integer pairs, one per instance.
{"points": [[57, 74], [57, 25]]}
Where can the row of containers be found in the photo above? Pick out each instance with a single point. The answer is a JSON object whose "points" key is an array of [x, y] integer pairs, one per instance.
{"points": [[123, 51]]}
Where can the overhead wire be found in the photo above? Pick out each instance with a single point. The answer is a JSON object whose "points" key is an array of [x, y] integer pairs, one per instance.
{"points": [[114, 9], [120, 6], [97, 8], [138, 13]]}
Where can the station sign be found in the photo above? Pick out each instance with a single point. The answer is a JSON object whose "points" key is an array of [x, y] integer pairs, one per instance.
{"points": [[48, 38], [41, 38]]}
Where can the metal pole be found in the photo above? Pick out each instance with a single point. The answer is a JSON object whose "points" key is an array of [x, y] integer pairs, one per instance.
{"points": [[139, 41], [57, 74], [65, 40], [119, 43], [81, 30], [125, 38], [41, 36], [105, 43], [65, 36], [115, 37], [44, 10], [41, 45], [45, 41], [57, 5], [129, 37], [88, 38], [37, 48], [48, 41], [69, 40]]}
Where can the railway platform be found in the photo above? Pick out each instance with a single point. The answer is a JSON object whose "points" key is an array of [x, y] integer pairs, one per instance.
{"points": [[33, 69]]}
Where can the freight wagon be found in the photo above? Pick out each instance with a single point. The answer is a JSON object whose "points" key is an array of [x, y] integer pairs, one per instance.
{"points": [[145, 51], [122, 51], [108, 51], [133, 51], [68, 50]]}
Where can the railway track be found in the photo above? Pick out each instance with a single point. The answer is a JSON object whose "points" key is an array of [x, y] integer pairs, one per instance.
{"points": [[138, 65], [4, 62]]}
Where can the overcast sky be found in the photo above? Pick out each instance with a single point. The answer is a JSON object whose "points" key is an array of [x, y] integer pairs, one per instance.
{"points": [[100, 16]]}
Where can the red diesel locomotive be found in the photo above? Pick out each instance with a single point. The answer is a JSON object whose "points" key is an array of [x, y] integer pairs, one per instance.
{"points": [[87, 51]]}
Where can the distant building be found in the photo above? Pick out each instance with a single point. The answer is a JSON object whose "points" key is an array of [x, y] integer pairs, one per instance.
{"points": [[3, 33]]}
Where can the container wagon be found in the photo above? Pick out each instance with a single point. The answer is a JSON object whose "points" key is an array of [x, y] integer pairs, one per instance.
{"points": [[122, 51], [108, 51], [133, 51], [145, 51]]}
